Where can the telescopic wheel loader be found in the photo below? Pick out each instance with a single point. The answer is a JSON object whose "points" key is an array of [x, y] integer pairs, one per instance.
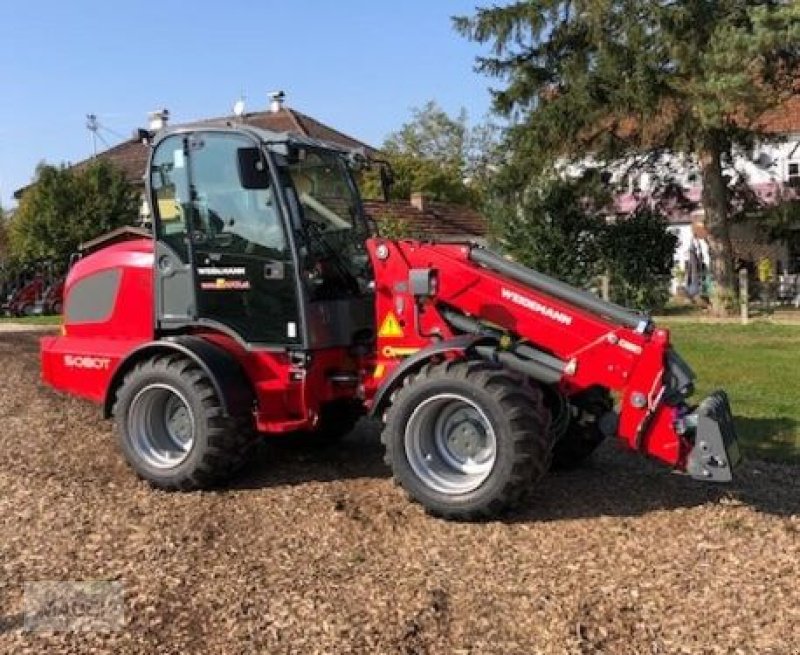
{"points": [[262, 305]]}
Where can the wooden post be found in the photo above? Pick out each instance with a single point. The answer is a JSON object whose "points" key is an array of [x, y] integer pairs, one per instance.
{"points": [[605, 287], [744, 295]]}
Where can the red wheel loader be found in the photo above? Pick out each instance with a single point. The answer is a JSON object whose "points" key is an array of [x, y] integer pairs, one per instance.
{"points": [[262, 305], [26, 298]]}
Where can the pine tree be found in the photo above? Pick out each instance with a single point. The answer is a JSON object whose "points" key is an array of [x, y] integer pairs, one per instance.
{"points": [[614, 78]]}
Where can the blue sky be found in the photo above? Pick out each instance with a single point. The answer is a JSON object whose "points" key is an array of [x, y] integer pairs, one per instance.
{"points": [[358, 65]]}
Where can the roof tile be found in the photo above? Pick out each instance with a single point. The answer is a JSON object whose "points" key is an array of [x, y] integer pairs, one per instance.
{"points": [[439, 219], [784, 119], [131, 156]]}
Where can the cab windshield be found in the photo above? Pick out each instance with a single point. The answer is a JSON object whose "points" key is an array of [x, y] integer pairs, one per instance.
{"points": [[322, 194]]}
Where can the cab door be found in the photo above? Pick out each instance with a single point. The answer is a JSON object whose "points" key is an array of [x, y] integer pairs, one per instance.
{"points": [[228, 232]]}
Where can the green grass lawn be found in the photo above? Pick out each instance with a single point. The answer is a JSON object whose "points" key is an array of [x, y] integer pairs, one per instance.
{"points": [[759, 366], [32, 320]]}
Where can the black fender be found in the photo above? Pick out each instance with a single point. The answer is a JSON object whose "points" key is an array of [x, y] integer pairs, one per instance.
{"points": [[460, 344], [223, 369]]}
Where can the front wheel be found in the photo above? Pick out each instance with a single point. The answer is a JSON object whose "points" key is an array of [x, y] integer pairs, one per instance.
{"points": [[172, 428], [466, 439]]}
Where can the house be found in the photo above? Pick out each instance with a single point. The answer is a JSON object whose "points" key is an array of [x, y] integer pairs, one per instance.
{"points": [[131, 156], [421, 216], [771, 172]]}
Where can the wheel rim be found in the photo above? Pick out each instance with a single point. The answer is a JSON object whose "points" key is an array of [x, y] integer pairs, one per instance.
{"points": [[161, 426], [450, 444]]}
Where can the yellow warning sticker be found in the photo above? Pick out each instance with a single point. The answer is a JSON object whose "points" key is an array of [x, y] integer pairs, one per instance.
{"points": [[390, 327]]}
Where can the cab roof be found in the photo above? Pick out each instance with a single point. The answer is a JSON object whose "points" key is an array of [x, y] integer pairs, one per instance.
{"points": [[268, 137]]}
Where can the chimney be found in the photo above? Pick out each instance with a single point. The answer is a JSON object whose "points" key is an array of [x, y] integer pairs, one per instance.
{"points": [[276, 99], [418, 201], [157, 120]]}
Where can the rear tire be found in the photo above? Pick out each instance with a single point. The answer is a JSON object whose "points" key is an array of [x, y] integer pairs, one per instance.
{"points": [[466, 440], [583, 434], [172, 427]]}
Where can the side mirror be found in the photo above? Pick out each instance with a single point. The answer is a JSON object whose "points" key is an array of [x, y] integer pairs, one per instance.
{"points": [[253, 171]]}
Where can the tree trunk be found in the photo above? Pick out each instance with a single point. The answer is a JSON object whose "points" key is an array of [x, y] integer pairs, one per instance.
{"points": [[716, 207]]}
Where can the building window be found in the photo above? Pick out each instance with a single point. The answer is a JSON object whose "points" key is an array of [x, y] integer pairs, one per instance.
{"points": [[794, 174]]}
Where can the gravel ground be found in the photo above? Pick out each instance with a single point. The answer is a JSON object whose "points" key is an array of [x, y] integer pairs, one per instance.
{"points": [[315, 551]]}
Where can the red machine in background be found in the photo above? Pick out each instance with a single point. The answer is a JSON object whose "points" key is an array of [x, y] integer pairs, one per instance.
{"points": [[37, 290], [24, 300], [53, 298], [262, 306]]}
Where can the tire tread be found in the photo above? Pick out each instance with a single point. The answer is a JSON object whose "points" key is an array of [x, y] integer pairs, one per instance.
{"points": [[229, 438], [528, 417]]}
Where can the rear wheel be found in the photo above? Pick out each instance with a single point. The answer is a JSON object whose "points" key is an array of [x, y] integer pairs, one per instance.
{"points": [[467, 440], [172, 427]]}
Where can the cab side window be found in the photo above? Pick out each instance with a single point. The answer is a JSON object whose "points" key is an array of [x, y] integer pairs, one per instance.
{"points": [[167, 177]]}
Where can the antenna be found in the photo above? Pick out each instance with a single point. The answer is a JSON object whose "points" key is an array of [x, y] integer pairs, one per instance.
{"points": [[93, 125]]}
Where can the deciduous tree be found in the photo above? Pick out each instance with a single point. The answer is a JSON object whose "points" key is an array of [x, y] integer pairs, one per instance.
{"points": [[439, 155], [565, 228], [65, 206]]}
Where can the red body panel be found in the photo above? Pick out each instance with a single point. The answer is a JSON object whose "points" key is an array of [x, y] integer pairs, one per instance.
{"points": [[84, 358], [288, 397], [600, 352]]}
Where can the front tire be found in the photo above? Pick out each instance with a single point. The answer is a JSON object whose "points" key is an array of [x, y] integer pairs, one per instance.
{"points": [[466, 440], [172, 427]]}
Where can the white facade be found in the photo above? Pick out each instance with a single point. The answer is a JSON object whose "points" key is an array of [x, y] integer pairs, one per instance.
{"points": [[771, 170]]}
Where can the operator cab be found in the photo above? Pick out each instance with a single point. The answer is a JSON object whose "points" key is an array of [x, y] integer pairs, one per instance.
{"points": [[259, 235]]}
